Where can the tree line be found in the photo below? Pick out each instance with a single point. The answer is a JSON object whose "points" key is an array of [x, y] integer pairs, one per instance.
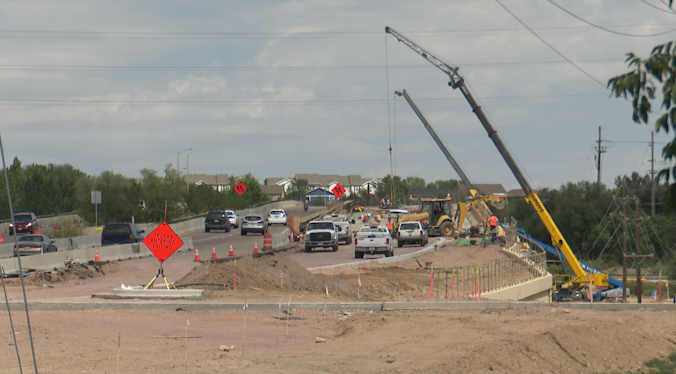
{"points": [[57, 189]]}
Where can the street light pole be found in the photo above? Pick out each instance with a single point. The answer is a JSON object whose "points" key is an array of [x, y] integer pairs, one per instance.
{"points": [[178, 154], [188, 165]]}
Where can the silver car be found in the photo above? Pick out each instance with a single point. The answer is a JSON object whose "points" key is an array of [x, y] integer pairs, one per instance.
{"points": [[233, 218], [254, 223], [411, 232], [34, 244]]}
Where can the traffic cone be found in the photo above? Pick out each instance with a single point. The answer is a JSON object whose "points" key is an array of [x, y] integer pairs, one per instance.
{"points": [[231, 253], [291, 238], [255, 247], [213, 253], [37, 232], [96, 257], [197, 255], [2, 238]]}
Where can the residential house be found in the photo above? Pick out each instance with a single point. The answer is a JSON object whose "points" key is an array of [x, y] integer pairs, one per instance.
{"points": [[275, 192], [219, 182]]}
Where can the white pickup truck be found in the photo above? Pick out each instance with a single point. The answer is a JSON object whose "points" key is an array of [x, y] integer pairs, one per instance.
{"points": [[321, 234], [373, 240]]}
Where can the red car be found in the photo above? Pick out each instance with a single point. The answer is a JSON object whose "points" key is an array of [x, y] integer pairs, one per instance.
{"points": [[25, 222]]}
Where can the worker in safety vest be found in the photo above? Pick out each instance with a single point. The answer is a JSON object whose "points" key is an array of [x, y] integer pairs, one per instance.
{"points": [[493, 224]]}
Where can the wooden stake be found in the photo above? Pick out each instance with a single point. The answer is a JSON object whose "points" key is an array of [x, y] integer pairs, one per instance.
{"points": [[244, 332], [118, 352], [288, 312]]}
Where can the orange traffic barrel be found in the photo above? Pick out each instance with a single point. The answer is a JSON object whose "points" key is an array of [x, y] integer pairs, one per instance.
{"points": [[267, 241]]}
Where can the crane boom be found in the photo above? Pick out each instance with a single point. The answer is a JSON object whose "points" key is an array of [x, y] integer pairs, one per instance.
{"points": [[478, 200], [458, 169], [458, 82]]}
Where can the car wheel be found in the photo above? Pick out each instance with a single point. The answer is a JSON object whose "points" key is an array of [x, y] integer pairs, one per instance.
{"points": [[206, 229], [399, 244], [358, 254], [242, 232], [227, 229], [389, 254], [308, 248], [423, 243], [335, 248], [446, 229]]}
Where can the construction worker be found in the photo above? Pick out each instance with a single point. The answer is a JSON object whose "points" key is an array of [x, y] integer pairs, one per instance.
{"points": [[448, 196], [493, 224], [389, 224]]}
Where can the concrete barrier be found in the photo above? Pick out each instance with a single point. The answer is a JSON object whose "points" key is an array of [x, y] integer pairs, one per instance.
{"points": [[47, 221], [57, 260]]}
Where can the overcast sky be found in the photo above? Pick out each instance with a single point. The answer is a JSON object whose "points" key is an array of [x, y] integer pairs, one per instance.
{"points": [[274, 88]]}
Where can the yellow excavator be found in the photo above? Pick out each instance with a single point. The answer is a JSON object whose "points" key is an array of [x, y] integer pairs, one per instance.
{"points": [[441, 223], [565, 287]]}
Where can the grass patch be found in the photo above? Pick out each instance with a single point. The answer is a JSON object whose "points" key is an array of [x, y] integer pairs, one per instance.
{"points": [[68, 231], [656, 366]]}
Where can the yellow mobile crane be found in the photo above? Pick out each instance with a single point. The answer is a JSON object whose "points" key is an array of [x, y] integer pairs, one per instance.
{"points": [[564, 287], [478, 201]]}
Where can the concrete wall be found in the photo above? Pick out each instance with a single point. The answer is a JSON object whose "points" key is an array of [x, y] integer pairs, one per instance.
{"points": [[47, 221], [533, 290], [57, 260]]}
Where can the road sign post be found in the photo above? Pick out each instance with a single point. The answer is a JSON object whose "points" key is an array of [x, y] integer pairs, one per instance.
{"points": [[338, 190], [162, 242], [240, 188], [96, 200]]}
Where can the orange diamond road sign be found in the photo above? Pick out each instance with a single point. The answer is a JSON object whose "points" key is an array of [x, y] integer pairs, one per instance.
{"points": [[163, 242], [240, 188], [338, 190]]}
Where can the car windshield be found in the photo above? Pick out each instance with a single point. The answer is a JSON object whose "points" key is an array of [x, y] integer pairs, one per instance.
{"points": [[408, 226], [215, 215], [117, 229], [22, 218], [276, 212], [30, 238], [320, 226], [253, 218]]}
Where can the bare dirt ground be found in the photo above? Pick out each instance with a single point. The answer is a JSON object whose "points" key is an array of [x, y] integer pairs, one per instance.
{"points": [[553, 339]]}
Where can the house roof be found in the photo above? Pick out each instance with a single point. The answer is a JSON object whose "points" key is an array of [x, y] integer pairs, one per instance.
{"points": [[273, 190], [274, 180], [427, 192], [517, 192], [315, 179], [319, 192], [485, 189], [214, 180]]}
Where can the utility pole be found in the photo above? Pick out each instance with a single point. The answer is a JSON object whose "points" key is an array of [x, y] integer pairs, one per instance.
{"points": [[600, 150], [624, 246], [638, 253], [652, 173]]}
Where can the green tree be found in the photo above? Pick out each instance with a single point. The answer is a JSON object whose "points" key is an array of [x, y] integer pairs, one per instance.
{"points": [[299, 188], [447, 184], [642, 83], [253, 195]]}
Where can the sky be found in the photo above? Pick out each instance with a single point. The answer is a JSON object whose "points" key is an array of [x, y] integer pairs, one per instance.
{"points": [[274, 88]]}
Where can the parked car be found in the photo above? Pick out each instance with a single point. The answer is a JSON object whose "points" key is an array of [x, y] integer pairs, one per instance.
{"points": [[321, 234], [373, 240], [217, 220], [233, 218], [411, 232], [25, 222], [121, 233], [254, 223], [277, 216], [34, 244]]}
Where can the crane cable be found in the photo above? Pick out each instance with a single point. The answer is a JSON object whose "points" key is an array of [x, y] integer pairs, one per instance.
{"points": [[389, 122]]}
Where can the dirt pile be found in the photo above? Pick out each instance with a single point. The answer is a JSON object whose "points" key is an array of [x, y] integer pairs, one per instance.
{"points": [[274, 276], [73, 272]]}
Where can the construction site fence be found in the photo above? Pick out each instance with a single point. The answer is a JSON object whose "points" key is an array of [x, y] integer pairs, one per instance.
{"points": [[470, 282]]}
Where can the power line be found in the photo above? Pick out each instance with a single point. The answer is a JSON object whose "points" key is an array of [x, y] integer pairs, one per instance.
{"points": [[80, 102], [607, 29], [51, 67], [550, 46]]}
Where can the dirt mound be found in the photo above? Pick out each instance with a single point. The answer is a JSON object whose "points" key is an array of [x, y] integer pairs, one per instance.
{"points": [[73, 272]]}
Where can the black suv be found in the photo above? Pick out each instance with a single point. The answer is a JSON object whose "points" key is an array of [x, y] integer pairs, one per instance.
{"points": [[121, 233], [217, 219]]}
